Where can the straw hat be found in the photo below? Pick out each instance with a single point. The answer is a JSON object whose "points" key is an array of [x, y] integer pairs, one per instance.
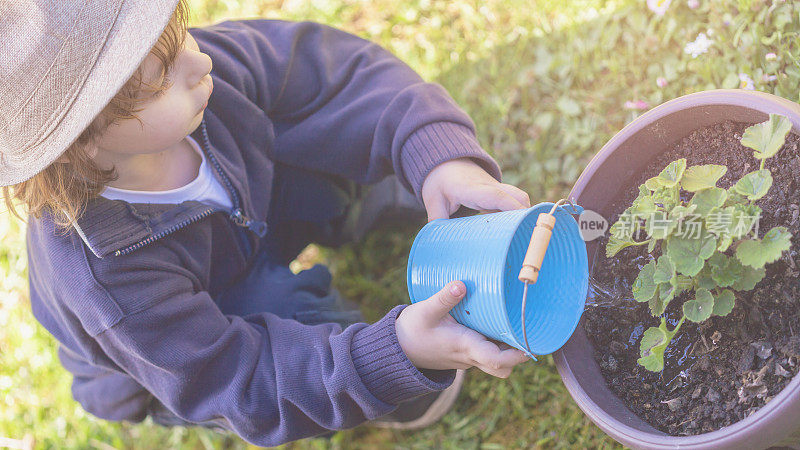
{"points": [[61, 62]]}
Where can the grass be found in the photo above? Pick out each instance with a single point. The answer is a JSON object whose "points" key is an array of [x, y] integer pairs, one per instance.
{"points": [[546, 83]]}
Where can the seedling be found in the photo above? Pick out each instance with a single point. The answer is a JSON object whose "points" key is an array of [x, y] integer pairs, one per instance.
{"points": [[709, 244]]}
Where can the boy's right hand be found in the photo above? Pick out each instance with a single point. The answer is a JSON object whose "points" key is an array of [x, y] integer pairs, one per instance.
{"points": [[432, 339]]}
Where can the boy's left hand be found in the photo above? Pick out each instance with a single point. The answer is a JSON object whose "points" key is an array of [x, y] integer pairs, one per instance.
{"points": [[463, 182]]}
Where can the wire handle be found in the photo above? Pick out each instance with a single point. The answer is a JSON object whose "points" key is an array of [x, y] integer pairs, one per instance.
{"points": [[534, 256]]}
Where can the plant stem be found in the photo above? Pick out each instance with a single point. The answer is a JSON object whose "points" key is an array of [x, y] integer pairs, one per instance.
{"points": [[677, 327]]}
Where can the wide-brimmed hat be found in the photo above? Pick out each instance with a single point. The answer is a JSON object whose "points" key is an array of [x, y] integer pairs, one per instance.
{"points": [[61, 63]]}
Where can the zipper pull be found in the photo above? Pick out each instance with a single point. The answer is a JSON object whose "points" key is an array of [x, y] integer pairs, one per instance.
{"points": [[257, 226]]}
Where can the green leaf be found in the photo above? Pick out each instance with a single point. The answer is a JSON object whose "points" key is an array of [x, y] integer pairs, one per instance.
{"points": [[654, 343], [651, 245], [665, 293], [684, 220], [664, 270], [724, 269], [745, 216], [767, 138], [626, 225], [671, 175], [666, 197], [732, 222], [688, 254], [652, 183], [614, 245], [643, 287], [696, 178], [643, 205], [680, 212], [720, 220], [735, 199], [622, 229], [755, 184], [750, 277], [707, 199], [724, 243], [703, 279], [622, 232], [683, 283], [723, 303], [656, 305], [758, 252], [701, 307], [659, 225]]}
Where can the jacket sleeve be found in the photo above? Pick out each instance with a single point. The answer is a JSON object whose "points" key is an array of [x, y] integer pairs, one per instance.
{"points": [[270, 380], [341, 104]]}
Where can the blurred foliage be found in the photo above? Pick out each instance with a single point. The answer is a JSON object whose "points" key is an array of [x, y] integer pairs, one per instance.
{"points": [[547, 83]]}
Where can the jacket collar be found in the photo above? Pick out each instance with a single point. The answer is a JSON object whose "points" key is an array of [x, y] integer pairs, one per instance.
{"points": [[108, 226]]}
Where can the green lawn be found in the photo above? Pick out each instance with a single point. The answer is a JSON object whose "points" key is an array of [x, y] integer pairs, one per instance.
{"points": [[547, 83]]}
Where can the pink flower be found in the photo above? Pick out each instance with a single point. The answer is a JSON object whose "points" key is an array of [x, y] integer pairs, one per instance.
{"points": [[658, 6], [770, 56], [636, 104], [693, 4], [661, 82]]}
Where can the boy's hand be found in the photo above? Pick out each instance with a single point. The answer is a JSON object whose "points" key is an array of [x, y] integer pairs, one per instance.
{"points": [[432, 339], [463, 182]]}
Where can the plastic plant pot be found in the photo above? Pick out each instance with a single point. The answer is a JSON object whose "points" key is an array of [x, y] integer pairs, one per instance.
{"points": [[778, 422]]}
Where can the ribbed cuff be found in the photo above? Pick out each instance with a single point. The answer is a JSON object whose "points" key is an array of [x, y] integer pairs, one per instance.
{"points": [[436, 143], [384, 367]]}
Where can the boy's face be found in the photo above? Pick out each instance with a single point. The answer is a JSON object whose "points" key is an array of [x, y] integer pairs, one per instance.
{"points": [[166, 118]]}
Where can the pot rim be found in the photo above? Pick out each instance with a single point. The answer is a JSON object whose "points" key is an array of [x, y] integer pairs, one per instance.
{"points": [[759, 101]]}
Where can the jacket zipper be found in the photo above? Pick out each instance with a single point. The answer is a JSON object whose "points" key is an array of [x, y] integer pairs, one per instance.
{"points": [[158, 236], [237, 216]]}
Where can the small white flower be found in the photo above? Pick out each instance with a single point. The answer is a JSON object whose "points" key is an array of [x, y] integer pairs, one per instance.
{"points": [[658, 6], [770, 56], [661, 82], [698, 46], [769, 78], [745, 82], [693, 4]]}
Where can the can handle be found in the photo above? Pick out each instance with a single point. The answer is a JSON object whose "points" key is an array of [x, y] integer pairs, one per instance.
{"points": [[534, 256]]}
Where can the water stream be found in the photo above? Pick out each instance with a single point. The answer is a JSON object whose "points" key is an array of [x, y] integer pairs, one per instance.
{"points": [[603, 295], [616, 299]]}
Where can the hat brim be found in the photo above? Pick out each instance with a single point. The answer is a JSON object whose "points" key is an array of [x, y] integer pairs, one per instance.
{"points": [[134, 33]]}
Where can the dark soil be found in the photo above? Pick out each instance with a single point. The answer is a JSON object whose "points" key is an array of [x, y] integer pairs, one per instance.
{"points": [[724, 369]]}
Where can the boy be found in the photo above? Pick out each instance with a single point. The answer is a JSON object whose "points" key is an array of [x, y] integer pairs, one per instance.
{"points": [[170, 178]]}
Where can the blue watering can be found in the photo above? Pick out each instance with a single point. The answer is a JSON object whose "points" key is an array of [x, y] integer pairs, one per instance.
{"points": [[486, 252]]}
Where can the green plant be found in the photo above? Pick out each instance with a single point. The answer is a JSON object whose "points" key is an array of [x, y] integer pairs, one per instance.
{"points": [[705, 243]]}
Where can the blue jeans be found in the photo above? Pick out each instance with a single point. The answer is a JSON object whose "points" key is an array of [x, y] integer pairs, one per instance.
{"points": [[306, 207]]}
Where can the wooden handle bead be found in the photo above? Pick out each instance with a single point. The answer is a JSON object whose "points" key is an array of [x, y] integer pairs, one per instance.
{"points": [[537, 248]]}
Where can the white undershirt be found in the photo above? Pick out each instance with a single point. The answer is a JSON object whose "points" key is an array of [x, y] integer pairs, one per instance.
{"points": [[205, 188]]}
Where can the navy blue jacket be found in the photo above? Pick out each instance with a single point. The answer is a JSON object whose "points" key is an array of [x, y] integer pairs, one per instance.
{"points": [[128, 292]]}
